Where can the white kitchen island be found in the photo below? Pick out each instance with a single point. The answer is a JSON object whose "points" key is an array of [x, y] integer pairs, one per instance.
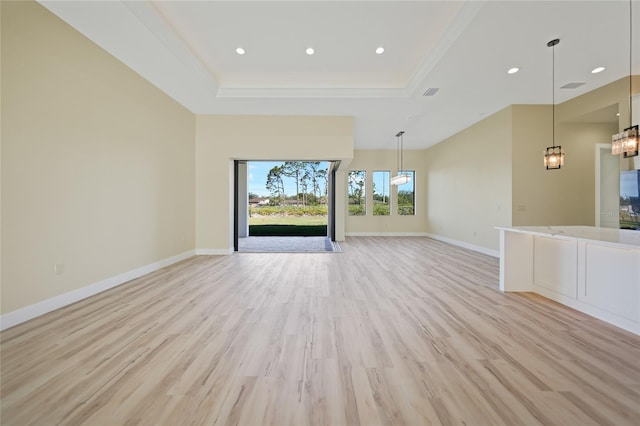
{"points": [[593, 270]]}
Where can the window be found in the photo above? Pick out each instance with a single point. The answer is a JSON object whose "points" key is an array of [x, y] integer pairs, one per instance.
{"points": [[357, 194], [407, 195], [381, 193]]}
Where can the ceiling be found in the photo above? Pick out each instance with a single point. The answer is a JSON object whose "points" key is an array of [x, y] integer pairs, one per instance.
{"points": [[463, 48]]}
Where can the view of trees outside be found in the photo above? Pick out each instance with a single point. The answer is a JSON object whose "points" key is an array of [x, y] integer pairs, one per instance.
{"points": [[287, 198], [295, 193], [381, 193], [309, 178], [406, 195], [357, 198]]}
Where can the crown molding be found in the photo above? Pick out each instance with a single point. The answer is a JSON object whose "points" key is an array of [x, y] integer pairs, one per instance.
{"points": [[154, 21], [224, 92], [461, 21]]}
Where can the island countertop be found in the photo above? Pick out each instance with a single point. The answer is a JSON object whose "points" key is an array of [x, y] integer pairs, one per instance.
{"points": [[594, 270], [619, 237]]}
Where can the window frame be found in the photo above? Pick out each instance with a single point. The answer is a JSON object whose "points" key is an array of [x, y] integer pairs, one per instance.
{"points": [[363, 194], [388, 193], [413, 185]]}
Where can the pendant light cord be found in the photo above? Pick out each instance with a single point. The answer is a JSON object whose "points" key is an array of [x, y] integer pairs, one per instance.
{"points": [[552, 44], [401, 153], [553, 93], [630, 63], [398, 155]]}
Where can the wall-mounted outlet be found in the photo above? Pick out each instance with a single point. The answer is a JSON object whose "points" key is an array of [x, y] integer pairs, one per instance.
{"points": [[58, 268], [522, 208]]}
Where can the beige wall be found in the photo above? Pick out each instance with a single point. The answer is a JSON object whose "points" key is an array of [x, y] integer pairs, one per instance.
{"points": [[0, 161], [469, 182], [554, 197], [533, 202], [97, 164], [616, 93], [372, 160], [221, 139], [470, 171], [565, 196], [613, 93]]}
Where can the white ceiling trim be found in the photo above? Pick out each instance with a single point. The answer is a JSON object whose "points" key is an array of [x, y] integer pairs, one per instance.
{"points": [[224, 92], [468, 62], [116, 28], [152, 19], [415, 86], [462, 19]]}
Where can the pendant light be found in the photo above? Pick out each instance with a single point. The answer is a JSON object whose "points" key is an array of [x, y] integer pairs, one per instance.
{"points": [[626, 142], [553, 155], [401, 178]]}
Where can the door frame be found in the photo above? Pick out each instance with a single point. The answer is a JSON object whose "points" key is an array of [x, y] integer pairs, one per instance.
{"points": [[598, 173], [236, 200], [331, 197]]}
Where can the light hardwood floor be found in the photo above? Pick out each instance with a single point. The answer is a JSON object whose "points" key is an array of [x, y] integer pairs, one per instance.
{"points": [[391, 331]]}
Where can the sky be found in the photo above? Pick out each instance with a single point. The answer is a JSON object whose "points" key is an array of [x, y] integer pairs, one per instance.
{"points": [[629, 184], [381, 182], [258, 171]]}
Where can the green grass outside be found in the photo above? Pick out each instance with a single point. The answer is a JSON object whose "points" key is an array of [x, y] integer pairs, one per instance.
{"points": [[357, 209], [284, 225], [628, 224], [288, 230], [288, 220], [320, 210]]}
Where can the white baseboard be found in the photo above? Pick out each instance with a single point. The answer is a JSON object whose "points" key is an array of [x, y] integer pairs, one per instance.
{"points": [[588, 309], [479, 249], [214, 252], [386, 234], [33, 311]]}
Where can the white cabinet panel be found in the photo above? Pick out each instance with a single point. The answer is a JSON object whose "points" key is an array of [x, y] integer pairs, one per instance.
{"points": [[612, 280], [516, 266], [593, 270], [555, 265]]}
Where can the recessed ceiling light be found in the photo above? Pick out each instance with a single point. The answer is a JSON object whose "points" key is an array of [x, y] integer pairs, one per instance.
{"points": [[513, 70], [618, 115], [597, 70], [240, 51], [310, 51], [380, 50]]}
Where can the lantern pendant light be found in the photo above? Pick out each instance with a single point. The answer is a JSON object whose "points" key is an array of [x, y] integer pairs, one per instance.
{"points": [[553, 155], [627, 142]]}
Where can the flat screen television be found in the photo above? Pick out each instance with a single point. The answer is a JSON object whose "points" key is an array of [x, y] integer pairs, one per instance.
{"points": [[630, 199]]}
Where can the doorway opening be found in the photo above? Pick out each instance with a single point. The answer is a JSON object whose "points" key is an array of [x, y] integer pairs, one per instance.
{"points": [[607, 192], [284, 206]]}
